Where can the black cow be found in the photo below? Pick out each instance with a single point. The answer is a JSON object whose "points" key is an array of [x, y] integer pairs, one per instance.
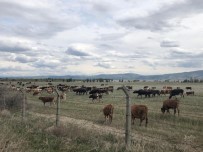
{"points": [[155, 92], [141, 92], [99, 91], [95, 96], [80, 91], [176, 92]]}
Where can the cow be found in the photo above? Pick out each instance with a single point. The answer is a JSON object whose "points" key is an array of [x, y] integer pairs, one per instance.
{"points": [[170, 104], [175, 92], [190, 93], [98, 90], [155, 92], [141, 92], [95, 96], [80, 91], [36, 92], [108, 112], [47, 99], [140, 112], [63, 96], [188, 88]]}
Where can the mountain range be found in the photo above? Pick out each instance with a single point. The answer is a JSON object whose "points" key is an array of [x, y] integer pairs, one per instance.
{"points": [[127, 76], [132, 76]]}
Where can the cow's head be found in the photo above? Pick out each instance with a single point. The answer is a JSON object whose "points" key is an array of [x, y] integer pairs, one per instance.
{"points": [[163, 110]]}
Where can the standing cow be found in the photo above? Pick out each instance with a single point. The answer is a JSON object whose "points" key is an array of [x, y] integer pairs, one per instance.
{"points": [[108, 112], [140, 112]]}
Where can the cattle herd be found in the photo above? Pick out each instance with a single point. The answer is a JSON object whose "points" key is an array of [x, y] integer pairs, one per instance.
{"points": [[96, 93]]}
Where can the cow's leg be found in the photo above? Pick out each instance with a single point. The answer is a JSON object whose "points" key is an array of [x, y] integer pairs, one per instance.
{"points": [[141, 121], [178, 111], [146, 122], [132, 120], [174, 111], [110, 119]]}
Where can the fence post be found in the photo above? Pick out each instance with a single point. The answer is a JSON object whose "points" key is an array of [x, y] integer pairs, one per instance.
{"points": [[128, 119], [23, 105], [23, 110], [58, 109]]}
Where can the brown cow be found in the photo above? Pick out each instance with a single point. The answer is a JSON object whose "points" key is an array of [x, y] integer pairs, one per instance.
{"points": [[170, 104], [140, 112], [108, 112], [47, 99]]}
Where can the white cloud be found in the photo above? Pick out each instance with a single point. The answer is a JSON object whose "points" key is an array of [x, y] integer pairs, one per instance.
{"points": [[90, 37]]}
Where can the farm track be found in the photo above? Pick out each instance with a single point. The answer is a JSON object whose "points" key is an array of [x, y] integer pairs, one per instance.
{"points": [[137, 137]]}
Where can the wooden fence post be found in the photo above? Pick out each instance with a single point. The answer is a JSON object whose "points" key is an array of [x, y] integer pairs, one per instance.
{"points": [[23, 107], [58, 109], [128, 119]]}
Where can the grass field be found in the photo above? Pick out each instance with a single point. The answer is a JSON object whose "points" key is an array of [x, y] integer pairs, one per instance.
{"points": [[83, 126]]}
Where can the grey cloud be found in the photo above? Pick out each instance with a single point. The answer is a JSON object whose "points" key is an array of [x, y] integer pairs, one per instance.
{"points": [[159, 20], [33, 22], [13, 47], [190, 63], [105, 65], [75, 52], [47, 63], [25, 59], [167, 43], [185, 55]]}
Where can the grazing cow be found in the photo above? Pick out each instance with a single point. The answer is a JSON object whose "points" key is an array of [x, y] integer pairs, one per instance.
{"points": [[95, 96], [63, 96], [175, 92], [108, 112], [190, 93], [141, 92], [36, 92], [47, 99], [170, 104], [188, 88], [146, 87], [140, 112], [98, 90], [80, 91], [154, 92]]}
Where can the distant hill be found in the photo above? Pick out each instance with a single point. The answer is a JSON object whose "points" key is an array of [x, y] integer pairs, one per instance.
{"points": [[129, 76], [133, 76]]}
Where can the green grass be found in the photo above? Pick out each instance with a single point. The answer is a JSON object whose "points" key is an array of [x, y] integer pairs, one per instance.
{"points": [[164, 132]]}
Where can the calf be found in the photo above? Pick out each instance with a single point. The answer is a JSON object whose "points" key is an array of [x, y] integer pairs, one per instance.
{"points": [[108, 112], [47, 99], [140, 112], [170, 104]]}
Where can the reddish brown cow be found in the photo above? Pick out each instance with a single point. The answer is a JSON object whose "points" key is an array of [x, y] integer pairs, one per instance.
{"points": [[47, 99], [140, 112], [170, 104], [108, 112]]}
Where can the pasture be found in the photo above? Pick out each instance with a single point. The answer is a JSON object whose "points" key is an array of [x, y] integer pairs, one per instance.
{"points": [[85, 120]]}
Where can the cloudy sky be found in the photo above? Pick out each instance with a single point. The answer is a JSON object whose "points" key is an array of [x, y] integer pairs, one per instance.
{"points": [[65, 37]]}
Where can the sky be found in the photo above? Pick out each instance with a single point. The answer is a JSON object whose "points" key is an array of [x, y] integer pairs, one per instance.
{"points": [[74, 37]]}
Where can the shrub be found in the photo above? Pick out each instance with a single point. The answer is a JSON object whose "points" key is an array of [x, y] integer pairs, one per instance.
{"points": [[10, 99]]}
